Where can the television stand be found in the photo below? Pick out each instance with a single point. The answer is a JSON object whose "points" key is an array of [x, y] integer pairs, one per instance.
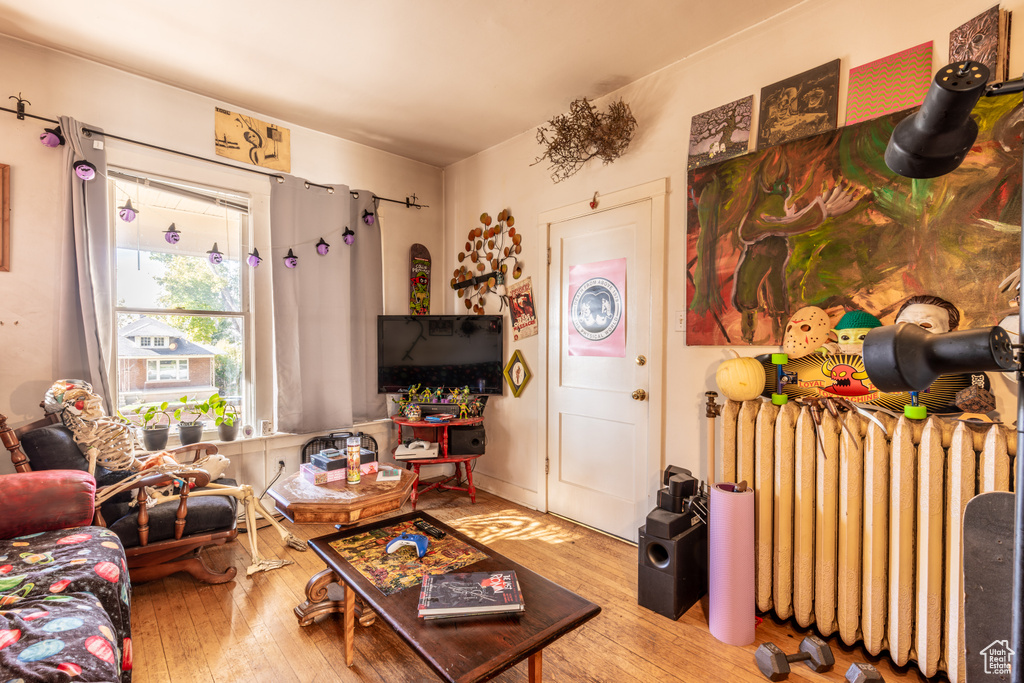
{"points": [[438, 432]]}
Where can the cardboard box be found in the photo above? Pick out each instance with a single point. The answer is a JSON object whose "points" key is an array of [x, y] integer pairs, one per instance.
{"points": [[315, 475]]}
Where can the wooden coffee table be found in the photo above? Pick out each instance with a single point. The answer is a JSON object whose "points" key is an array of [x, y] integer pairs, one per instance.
{"points": [[337, 502], [467, 649]]}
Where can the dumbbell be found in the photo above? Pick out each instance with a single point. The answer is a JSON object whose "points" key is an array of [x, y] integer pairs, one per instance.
{"points": [[774, 663], [861, 672]]}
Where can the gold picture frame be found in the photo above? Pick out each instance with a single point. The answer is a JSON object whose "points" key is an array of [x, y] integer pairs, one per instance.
{"points": [[517, 374], [5, 217]]}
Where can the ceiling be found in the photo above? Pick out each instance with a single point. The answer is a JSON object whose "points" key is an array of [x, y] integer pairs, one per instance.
{"points": [[431, 80]]}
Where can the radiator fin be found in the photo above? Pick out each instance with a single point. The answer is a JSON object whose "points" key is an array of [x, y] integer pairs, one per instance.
{"points": [[858, 530]]}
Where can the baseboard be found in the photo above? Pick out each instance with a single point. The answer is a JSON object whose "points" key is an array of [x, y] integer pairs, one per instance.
{"points": [[508, 491]]}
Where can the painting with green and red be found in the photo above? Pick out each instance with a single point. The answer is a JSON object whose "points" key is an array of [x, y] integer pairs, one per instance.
{"points": [[823, 222]]}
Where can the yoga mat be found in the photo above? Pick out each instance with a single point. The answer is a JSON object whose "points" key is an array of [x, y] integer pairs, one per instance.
{"points": [[731, 565]]}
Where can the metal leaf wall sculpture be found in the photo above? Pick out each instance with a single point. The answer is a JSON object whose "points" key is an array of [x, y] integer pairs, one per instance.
{"points": [[491, 252]]}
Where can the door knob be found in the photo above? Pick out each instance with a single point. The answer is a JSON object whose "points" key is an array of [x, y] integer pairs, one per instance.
{"points": [[640, 395]]}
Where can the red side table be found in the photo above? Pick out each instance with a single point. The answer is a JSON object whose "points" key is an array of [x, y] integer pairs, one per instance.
{"points": [[438, 431]]}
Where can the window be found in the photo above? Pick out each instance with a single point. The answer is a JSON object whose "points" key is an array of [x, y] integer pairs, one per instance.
{"points": [[165, 370], [183, 317]]}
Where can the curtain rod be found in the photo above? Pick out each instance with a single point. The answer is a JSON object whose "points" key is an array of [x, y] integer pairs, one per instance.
{"points": [[89, 132]]}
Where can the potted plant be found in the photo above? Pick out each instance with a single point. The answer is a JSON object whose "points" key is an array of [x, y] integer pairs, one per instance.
{"points": [[190, 430], [154, 434], [226, 416]]}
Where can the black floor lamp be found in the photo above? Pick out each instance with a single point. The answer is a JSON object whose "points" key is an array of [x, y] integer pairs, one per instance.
{"points": [[927, 144]]}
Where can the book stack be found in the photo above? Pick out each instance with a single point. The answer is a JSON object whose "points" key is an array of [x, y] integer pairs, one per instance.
{"points": [[443, 596], [318, 476]]}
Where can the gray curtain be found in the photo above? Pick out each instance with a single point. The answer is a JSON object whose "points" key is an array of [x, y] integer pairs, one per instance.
{"points": [[85, 314], [325, 309]]}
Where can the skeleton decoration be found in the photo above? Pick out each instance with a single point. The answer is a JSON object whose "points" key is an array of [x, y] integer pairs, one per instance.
{"points": [[109, 442]]}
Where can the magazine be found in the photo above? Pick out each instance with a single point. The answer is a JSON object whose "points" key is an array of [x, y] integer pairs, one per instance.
{"points": [[464, 594]]}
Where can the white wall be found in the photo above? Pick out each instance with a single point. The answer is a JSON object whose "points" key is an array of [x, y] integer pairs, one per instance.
{"points": [[138, 108], [663, 103]]}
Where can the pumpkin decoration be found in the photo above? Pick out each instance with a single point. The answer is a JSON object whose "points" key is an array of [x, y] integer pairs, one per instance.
{"points": [[740, 378]]}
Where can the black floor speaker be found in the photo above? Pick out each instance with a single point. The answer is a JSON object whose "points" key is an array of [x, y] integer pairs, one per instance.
{"points": [[466, 440], [673, 572]]}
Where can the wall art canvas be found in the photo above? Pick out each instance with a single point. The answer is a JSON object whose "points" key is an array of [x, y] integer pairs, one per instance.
{"points": [[597, 309], [522, 309], [720, 133], [985, 39], [249, 140], [799, 106], [822, 221], [889, 84]]}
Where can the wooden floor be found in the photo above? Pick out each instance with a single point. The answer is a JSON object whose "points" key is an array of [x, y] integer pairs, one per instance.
{"points": [[245, 630]]}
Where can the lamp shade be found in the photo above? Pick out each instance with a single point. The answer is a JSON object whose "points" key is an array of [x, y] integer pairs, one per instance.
{"points": [[934, 140], [906, 357]]}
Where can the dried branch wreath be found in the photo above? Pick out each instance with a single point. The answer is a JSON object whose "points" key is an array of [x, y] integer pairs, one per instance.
{"points": [[489, 259], [584, 133]]}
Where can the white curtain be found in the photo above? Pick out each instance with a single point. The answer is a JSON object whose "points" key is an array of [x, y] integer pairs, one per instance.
{"points": [[325, 308], [84, 343]]}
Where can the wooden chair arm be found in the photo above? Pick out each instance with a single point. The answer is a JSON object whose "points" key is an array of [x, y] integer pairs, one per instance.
{"points": [[197, 450], [200, 477]]}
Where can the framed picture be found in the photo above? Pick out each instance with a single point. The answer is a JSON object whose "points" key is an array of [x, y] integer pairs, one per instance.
{"points": [[5, 217], [516, 373]]}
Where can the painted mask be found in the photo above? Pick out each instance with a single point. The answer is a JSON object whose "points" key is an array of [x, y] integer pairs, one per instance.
{"points": [[930, 317], [808, 329]]}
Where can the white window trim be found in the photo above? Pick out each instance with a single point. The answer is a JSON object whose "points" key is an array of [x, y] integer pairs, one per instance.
{"points": [[259, 373]]}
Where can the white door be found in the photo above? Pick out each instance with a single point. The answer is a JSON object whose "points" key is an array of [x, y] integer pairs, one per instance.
{"points": [[598, 433]]}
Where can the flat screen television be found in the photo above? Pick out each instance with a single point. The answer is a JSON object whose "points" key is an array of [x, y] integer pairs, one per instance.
{"points": [[439, 351]]}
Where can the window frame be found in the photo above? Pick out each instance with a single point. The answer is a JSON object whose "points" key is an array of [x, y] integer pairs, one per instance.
{"points": [[252, 407]]}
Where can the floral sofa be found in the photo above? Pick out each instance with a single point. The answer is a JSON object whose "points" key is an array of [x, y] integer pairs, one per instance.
{"points": [[65, 596]]}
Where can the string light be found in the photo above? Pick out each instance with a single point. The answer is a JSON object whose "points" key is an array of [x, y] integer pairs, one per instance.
{"points": [[127, 212], [85, 170], [52, 137], [214, 255], [172, 235]]}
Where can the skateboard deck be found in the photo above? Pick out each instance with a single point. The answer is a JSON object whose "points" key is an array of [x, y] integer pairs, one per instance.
{"points": [[988, 578], [419, 280], [842, 375]]}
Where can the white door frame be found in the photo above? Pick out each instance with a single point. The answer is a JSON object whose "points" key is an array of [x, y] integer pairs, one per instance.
{"points": [[657, 192]]}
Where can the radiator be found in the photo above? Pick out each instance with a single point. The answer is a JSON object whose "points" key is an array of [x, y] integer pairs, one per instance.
{"points": [[859, 533]]}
